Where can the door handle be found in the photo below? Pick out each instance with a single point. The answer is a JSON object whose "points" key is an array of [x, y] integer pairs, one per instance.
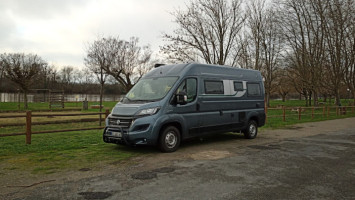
{"points": [[258, 105]]}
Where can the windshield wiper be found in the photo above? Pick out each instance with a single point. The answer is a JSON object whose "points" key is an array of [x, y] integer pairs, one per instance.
{"points": [[127, 98], [144, 100]]}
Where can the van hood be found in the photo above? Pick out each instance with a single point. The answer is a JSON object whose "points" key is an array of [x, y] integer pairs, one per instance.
{"points": [[132, 109]]}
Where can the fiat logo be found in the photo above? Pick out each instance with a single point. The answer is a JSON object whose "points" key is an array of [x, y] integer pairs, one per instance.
{"points": [[118, 122]]}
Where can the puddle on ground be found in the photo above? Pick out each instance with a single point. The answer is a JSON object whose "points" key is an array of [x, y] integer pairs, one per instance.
{"points": [[152, 174], [95, 195], [210, 155], [293, 127], [267, 147], [84, 169]]}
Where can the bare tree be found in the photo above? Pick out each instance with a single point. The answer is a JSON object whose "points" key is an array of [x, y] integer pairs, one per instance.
{"points": [[22, 69], [2, 73], [256, 12], [245, 55], [208, 29], [101, 54], [130, 60], [283, 83], [67, 78], [337, 18], [302, 28], [267, 42], [349, 76]]}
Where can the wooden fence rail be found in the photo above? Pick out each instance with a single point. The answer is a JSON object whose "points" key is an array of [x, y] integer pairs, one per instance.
{"points": [[282, 113], [300, 112], [29, 123]]}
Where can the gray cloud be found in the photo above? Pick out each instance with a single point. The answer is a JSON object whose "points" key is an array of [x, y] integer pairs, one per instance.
{"points": [[39, 8], [58, 30]]}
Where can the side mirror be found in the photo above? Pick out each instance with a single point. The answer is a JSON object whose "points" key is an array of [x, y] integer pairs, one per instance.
{"points": [[181, 98]]}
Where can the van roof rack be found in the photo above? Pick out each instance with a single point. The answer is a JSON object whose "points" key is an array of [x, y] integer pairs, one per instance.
{"points": [[158, 65]]}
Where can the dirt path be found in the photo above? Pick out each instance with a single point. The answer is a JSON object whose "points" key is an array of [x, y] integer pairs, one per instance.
{"points": [[23, 184]]}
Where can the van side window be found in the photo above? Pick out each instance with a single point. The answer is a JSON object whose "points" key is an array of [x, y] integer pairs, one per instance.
{"points": [[189, 86], [253, 89], [238, 86], [214, 87]]}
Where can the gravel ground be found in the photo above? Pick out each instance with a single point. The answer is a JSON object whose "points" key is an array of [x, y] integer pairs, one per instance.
{"points": [[305, 161]]}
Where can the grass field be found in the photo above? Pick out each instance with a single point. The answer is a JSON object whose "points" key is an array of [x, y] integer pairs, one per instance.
{"points": [[54, 152], [50, 153]]}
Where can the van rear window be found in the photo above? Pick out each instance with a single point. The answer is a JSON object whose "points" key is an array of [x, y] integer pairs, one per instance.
{"points": [[254, 89], [214, 87], [238, 86]]}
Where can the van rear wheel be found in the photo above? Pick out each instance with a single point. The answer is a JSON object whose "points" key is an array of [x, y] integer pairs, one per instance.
{"points": [[252, 130], [169, 140]]}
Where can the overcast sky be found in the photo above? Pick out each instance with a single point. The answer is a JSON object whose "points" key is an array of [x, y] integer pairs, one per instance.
{"points": [[59, 30]]}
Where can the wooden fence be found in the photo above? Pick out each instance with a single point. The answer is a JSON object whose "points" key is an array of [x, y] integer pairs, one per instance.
{"points": [[29, 123], [284, 113], [311, 112]]}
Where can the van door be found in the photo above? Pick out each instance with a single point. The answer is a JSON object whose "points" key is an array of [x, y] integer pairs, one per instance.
{"points": [[189, 111], [215, 116]]}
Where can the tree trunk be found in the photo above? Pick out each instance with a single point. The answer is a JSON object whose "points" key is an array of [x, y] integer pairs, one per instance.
{"points": [[283, 97], [101, 95], [337, 98], [268, 99], [315, 98], [25, 100]]}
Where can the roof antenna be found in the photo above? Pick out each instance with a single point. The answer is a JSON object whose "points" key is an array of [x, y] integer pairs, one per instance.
{"points": [[158, 65]]}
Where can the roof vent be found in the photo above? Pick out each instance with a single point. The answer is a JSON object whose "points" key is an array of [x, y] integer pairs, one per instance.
{"points": [[158, 65]]}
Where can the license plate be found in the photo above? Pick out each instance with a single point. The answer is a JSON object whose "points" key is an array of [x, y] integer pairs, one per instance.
{"points": [[115, 134]]}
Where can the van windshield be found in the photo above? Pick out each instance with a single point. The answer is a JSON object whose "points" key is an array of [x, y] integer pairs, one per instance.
{"points": [[150, 89]]}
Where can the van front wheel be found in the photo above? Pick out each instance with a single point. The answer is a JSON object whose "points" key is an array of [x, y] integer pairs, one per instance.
{"points": [[169, 140], [251, 131]]}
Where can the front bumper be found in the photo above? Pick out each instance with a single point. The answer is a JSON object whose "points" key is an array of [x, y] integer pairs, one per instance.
{"points": [[139, 132]]}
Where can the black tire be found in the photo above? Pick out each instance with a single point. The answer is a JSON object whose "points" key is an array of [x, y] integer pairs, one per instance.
{"points": [[252, 130], [169, 140]]}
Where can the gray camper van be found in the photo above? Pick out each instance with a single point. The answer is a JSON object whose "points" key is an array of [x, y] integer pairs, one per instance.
{"points": [[175, 102]]}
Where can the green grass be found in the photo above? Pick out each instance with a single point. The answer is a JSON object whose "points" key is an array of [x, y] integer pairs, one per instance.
{"points": [[275, 118], [51, 153], [22, 129]]}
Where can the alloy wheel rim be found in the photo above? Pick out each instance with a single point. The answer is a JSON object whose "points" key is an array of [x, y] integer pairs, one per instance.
{"points": [[170, 139], [252, 130]]}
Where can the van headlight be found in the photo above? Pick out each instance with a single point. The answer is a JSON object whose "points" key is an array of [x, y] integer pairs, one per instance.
{"points": [[148, 111]]}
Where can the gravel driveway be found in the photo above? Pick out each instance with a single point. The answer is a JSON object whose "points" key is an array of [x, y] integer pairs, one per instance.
{"points": [[305, 161]]}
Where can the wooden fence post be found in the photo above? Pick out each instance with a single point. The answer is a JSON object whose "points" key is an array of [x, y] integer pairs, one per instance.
{"points": [[265, 107], [323, 111], [28, 126], [284, 113], [312, 112], [299, 113], [328, 111]]}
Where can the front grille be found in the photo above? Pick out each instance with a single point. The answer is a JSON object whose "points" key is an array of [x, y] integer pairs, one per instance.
{"points": [[123, 122]]}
